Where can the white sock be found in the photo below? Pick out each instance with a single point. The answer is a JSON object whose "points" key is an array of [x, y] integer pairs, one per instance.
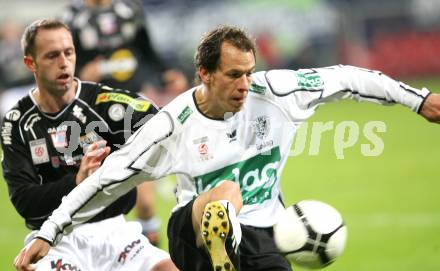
{"points": [[233, 218]]}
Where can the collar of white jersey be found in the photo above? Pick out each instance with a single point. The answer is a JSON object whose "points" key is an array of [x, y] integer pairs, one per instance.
{"points": [[213, 121]]}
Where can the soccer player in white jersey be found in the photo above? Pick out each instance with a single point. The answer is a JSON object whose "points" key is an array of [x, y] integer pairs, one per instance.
{"points": [[227, 140]]}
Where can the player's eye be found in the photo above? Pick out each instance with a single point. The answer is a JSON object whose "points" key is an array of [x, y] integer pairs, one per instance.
{"points": [[69, 52], [52, 55], [235, 75]]}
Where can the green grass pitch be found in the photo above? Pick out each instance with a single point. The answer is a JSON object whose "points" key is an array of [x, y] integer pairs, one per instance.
{"points": [[390, 203]]}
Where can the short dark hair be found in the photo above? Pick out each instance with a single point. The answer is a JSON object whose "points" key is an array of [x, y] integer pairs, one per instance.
{"points": [[28, 38], [208, 52]]}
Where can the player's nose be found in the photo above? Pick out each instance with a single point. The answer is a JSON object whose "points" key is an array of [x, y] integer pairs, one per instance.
{"points": [[244, 83]]}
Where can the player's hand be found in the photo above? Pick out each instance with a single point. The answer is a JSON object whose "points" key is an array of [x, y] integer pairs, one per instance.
{"points": [[431, 108], [30, 254], [92, 159]]}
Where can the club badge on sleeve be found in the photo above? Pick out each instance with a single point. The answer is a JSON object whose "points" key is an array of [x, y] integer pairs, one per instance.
{"points": [[116, 112], [13, 115]]}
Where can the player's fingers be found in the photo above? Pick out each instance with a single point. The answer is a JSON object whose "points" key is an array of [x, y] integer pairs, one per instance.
{"points": [[96, 145], [17, 260], [22, 262], [101, 143], [94, 165], [94, 153], [105, 153], [102, 154], [18, 263], [99, 154], [26, 263]]}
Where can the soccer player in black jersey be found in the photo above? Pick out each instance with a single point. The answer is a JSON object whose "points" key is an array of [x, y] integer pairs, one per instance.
{"points": [[55, 137]]}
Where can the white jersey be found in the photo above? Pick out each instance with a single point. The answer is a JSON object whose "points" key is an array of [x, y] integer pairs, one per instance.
{"points": [[249, 147]]}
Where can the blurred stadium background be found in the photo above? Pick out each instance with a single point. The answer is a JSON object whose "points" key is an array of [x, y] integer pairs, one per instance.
{"points": [[391, 202]]}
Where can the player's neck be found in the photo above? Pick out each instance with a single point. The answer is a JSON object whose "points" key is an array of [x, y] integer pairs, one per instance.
{"points": [[51, 103], [207, 104]]}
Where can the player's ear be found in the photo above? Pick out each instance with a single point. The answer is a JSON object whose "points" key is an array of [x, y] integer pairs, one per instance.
{"points": [[29, 62], [205, 76]]}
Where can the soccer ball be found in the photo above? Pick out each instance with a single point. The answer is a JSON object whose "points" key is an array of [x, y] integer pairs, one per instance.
{"points": [[311, 234]]}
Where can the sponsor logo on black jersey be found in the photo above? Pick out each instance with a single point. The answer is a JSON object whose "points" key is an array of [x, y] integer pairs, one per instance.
{"points": [[6, 133], [58, 136], [137, 104]]}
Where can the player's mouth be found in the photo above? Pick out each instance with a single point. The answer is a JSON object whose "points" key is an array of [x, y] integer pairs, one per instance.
{"points": [[63, 79], [240, 99]]}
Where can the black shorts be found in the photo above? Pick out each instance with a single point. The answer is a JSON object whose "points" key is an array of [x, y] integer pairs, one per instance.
{"points": [[257, 248]]}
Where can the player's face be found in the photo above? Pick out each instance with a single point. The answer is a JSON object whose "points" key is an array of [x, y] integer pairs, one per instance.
{"points": [[54, 60], [230, 83]]}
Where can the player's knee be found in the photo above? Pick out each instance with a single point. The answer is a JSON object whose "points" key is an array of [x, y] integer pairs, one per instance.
{"points": [[230, 188], [231, 191]]}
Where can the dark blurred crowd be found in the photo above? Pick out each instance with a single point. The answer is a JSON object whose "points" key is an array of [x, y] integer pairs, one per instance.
{"points": [[146, 45]]}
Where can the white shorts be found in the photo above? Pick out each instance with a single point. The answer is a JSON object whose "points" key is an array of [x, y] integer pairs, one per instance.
{"points": [[111, 244]]}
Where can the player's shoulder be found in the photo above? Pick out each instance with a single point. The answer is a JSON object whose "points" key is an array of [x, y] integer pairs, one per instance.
{"points": [[172, 119], [11, 120], [284, 82], [181, 108], [19, 109], [100, 95]]}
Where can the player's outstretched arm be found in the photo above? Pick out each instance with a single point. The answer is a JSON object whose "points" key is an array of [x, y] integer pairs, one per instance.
{"points": [[30, 254], [143, 157], [431, 108]]}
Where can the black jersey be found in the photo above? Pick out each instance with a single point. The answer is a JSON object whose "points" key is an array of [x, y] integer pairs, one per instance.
{"points": [[118, 35], [42, 152]]}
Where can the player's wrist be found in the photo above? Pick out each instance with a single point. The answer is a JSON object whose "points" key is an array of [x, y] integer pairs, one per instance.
{"points": [[150, 225], [80, 176], [49, 232]]}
